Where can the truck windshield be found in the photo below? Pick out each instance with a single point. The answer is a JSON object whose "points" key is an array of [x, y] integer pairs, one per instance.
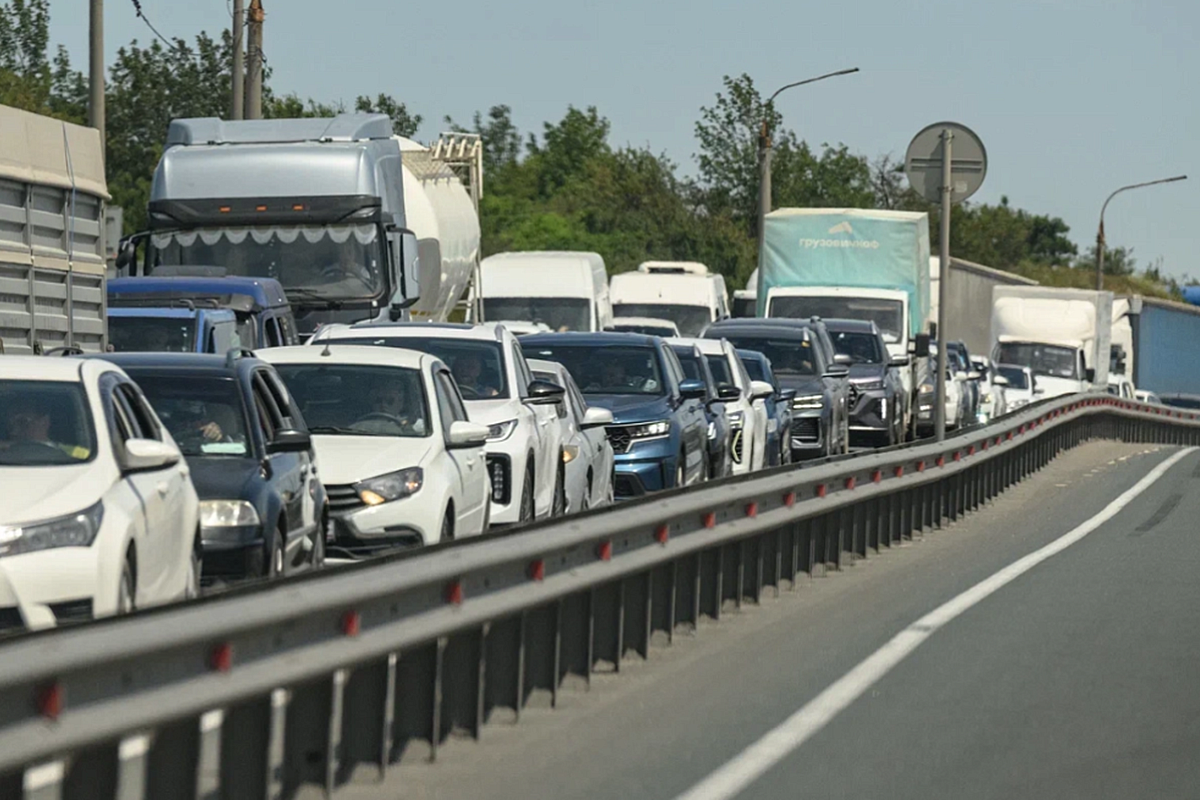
{"points": [[204, 414], [44, 424], [558, 313], [1053, 361], [888, 315], [152, 334], [863, 348], [359, 400], [333, 262], [691, 320]]}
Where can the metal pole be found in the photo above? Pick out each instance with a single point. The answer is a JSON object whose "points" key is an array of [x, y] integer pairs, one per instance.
{"points": [[1100, 230], [254, 76], [939, 407], [764, 194], [238, 106], [96, 69]]}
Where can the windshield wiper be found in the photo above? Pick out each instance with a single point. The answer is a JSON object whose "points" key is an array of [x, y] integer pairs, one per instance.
{"points": [[313, 294], [336, 430]]}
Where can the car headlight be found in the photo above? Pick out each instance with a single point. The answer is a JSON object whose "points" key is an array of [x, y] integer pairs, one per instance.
{"points": [[650, 430], [501, 430], [570, 453], [73, 530], [227, 514], [712, 430], [737, 419], [870, 386], [927, 388], [393, 486], [808, 401]]}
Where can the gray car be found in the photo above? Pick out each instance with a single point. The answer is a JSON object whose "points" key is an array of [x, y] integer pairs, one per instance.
{"points": [[877, 402]]}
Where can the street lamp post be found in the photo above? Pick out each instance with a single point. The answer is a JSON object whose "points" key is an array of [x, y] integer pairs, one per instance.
{"points": [[1100, 230], [764, 156]]}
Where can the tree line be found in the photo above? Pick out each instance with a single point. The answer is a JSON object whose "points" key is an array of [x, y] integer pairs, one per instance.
{"points": [[567, 187]]}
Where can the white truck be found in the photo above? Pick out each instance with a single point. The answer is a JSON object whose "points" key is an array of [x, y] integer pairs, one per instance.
{"points": [[565, 290], [52, 268], [1062, 335], [685, 292]]}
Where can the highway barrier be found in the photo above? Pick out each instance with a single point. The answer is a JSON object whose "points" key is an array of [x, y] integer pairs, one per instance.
{"points": [[255, 693]]}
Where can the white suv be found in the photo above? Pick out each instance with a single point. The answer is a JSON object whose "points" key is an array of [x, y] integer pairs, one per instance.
{"points": [[98, 514], [524, 447], [748, 414], [401, 462]]}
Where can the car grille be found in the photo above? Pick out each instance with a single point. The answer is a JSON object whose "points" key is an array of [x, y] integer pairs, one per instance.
{"points": [[343, 498], [500, 470], [806, 429], [72, 611], [855, 393], [737, 446], [620, 437], [627, 486], [11, 620]]}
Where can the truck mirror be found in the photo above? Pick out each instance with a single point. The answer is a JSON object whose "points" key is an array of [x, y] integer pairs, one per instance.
{"points": [[922, 345], [1090, 373], [126, 255], [406, 271]]}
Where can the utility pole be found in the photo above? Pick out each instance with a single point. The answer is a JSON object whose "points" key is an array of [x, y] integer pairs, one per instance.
{"points": [[238, 110], [1100, 231], [254, 75], [96, 70]]}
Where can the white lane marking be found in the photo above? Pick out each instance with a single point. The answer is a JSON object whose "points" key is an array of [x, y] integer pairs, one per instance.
{"points": [[749, 765]]}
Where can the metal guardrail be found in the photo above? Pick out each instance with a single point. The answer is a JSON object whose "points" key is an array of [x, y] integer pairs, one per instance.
{"points": [[254, 694]]}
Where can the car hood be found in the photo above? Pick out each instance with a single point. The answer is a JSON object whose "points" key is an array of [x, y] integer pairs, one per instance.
{"points": [[32, 494], [631, 407], [489, 412], [863, 373], [222, 478], [349, 459]]}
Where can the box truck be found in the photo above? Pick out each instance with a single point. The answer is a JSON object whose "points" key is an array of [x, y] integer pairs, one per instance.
{"points": [[684, 292], [1157, 339], [566, 291]]}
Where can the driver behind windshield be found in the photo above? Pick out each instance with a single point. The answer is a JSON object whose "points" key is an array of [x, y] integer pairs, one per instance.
{"points": [[468, 372], [29, 422], [388, 408]]}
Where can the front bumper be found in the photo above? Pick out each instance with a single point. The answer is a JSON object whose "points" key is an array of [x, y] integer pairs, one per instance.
{"points": [[872, 412], [647, 467], [56, 586], [372, 530], [809, 431], [233, 552], [507, 464]]}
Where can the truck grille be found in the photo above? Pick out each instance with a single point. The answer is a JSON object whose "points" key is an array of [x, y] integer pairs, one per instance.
{"points": [[620, 438], [343, 498], [806, 429]]}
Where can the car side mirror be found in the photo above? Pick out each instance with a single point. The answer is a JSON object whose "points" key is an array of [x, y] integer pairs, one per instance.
{"points": [[290, 441], [787, 395], [843, 359], [1000, 380], [126, 255], [960, 376], [761, 390], [974, 376], [921, 345], [466, 434], [544, 393], [596, 417], [148, 454], [728, 393], [899, 361], [1090, 373], [693, 389]]}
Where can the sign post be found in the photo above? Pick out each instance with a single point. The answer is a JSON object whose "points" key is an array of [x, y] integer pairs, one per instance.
{"points": [[946, 162]]}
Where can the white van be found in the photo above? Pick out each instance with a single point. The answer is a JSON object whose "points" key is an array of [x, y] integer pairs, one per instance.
{"points": [[567, 291], [685, 292]]}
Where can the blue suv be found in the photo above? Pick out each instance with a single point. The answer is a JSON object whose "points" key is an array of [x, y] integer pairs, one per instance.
{"points": [[659, 431]]}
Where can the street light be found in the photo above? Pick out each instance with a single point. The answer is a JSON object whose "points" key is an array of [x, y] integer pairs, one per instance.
{"points": [[764, 154], [1100, 231]]}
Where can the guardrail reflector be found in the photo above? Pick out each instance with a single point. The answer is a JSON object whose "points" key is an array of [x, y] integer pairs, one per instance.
{"points": [[876, 476], [454, 593], [351, 623], [971, 449], [851, 482], [821, 490], [50, 700], [662, 534], [537, 570], [710, 520], [789, 499], [1010, 436], [752, 510], [604, 551], [957, 455], [920, 466], [941, 461], [221, 658], [899, 472]]}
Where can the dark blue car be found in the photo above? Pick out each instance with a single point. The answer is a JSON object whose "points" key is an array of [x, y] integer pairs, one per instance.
{"points": [[779, 407], [720, 432], [263, 510], [659, 425]]}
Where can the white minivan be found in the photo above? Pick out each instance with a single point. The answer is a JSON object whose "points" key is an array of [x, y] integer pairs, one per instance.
{"points": [[685, 292], [567, 291]]}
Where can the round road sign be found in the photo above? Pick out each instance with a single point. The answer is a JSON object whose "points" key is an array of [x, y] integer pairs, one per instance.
{"points": [[968, 162]]}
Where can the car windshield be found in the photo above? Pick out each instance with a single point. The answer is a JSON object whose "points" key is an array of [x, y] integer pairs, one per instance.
{"points": [[478, 366], [1181, 402], [44, 423], [359, 400], [606, 369], [336, 262], [204, 414], [557, 313], [691, 320], [863, 348], [152, 334], [787, 356], [1016, 377], [888, 315], [1044, 359]]}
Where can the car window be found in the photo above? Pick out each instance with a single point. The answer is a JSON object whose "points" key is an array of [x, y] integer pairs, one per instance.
{"points": [[268, 414], [44, 423], [283, 400], [274, 334], [674, 368], [524, 376], [579, 406], [204, 412], [478, 366], [719, 366], [442, 390], [359, 399], [140, 409]]}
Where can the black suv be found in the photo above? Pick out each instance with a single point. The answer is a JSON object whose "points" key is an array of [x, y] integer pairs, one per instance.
{"points": [[263, 510], [878, 402]]}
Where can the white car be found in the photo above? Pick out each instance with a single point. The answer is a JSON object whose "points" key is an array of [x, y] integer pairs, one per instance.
{"points": [[1022, 385], [524, 447], [1121, 386], [520, 327], [993, 399], [402, 463], [647, 325], [98, 514], [1147, 396], [587, 452], [747, 415]]}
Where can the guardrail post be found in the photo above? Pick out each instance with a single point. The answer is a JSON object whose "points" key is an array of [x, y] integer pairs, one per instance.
{"points": [[333, 747], [778, 536], [44, 781], [131, 766], [208, 759], [275, 743], [858, 529]]}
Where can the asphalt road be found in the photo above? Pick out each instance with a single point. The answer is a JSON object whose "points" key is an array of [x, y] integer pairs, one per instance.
{"points": [[1077, 679]]}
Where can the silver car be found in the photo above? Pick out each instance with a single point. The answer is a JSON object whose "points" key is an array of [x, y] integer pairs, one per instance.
{"points": [[587, 453]]}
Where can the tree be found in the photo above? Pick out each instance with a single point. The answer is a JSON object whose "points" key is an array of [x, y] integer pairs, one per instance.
{"points": [[403, 123]]}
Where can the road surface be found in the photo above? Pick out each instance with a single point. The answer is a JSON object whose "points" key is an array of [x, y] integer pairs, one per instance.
{"points": [[1076, 679]]}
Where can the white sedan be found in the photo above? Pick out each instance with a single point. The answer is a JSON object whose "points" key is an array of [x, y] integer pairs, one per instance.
{"points": [[98, 514], [587, 452], [402, 464]]}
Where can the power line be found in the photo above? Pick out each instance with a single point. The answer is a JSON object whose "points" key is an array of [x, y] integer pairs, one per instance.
{"points": [[137, 6]]}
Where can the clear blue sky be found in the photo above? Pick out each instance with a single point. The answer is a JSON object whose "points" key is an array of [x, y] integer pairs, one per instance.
{"points": [[1072, 98]]}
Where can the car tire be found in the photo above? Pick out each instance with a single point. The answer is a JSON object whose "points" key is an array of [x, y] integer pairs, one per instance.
{"points": [[195, 569], [680, 471], [126, 590], [448, 525], [559, 505], [527, 511], [275, 566], [318, 551]]}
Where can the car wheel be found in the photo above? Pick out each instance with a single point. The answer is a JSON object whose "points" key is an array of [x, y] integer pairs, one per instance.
{"points": [[195, 568], [275, 566], [126, 590], [560, 495], [680, 473], [318, 552], [448, 525], [527, 509]]}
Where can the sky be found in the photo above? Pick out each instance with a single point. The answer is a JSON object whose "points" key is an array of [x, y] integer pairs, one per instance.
{"points": [[1072, 98]]}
